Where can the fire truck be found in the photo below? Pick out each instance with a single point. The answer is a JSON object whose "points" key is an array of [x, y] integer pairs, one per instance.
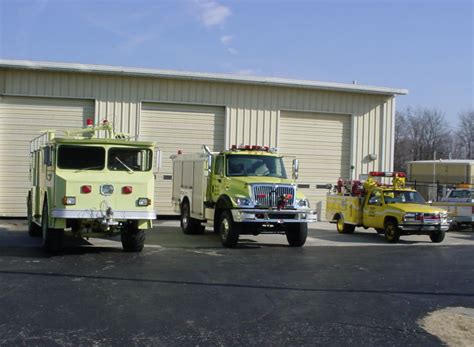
{"points": [[243, 190], [391, 209], [91, 186]]}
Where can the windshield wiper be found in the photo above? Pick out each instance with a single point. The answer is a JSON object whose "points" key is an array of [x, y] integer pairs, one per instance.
{"points": [[124, 165]]}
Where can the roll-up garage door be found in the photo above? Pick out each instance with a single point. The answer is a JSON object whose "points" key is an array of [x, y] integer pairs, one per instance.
{"points": [[322, 143], [22, 119], [185, 127]]}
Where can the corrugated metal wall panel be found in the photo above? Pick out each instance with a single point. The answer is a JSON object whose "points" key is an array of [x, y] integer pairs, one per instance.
{"points": [[252, 111], [322, 144], [185, 127], [22, 119]]}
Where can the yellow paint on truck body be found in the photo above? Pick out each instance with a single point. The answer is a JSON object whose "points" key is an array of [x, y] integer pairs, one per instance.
{"points": [[379, 205]]}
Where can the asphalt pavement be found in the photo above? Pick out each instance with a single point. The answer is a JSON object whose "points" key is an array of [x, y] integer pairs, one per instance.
{"points": [[188, 290]]}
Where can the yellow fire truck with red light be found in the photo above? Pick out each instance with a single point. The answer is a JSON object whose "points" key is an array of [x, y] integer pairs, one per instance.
{"points": [[91, 186], [243, 190], [391, 209]]}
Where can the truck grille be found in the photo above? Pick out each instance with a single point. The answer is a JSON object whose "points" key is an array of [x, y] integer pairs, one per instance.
{"points": [[268, 195]]}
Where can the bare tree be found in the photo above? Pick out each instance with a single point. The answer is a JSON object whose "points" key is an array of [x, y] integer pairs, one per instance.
{"points": [[402, 152], [465, 134], [419, 133]]}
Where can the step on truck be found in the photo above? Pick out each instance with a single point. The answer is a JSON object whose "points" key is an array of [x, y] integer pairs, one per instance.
{"points": [[391, 209], [243, 190], [91, 186]]}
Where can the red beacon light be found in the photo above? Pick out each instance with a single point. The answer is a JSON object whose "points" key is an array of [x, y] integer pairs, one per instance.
{"points": [[89, 122], [247, 147], [256, 148], [86, 189], [266, 148], [387, 174], [127, 190]]}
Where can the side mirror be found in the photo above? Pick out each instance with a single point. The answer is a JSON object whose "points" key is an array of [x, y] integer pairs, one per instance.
{"points": [[295, 168], [157, 160], [209, 163], [47, 156]]}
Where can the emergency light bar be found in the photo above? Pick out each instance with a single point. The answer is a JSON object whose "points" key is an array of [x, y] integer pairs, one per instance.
{"points": [[250, 148], [387, 174]]}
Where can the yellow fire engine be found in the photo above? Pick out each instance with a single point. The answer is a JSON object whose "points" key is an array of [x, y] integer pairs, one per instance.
{"points": [[393, 210]]}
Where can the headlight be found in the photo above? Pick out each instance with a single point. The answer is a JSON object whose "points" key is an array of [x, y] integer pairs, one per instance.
{"points": [[69, 200], [244, 202], [144, 202], [302, 203], [409, 217]]}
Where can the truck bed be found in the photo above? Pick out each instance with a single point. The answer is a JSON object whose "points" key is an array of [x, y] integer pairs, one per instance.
{"points": [[349, 206]]}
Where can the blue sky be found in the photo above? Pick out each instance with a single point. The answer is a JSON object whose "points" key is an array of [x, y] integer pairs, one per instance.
{"points": [[424, 46]]}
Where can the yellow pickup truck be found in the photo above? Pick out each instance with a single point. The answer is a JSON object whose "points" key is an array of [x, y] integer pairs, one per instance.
{"points": [[392, 210]]}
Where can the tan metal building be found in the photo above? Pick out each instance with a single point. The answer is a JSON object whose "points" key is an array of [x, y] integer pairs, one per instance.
{"points": [[336, 130], [441, 171]]}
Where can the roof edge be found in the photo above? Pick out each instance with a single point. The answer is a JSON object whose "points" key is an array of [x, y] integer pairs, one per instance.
{"points": [[198, 76]]}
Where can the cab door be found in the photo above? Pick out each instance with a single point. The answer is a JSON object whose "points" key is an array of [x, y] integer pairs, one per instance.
{"points": [[374, 210], [218, 177]]}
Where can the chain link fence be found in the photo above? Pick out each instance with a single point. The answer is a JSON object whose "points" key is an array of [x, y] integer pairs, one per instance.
{"points": [[434, 191]]}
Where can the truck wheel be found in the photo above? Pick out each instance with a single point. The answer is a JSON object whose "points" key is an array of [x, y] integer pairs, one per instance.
{"points": [[52, 238], [296, 234], [33, 229], [133, 239], [437, 236], [228, 230], [189, 225], [344, 228], [391, 232]]}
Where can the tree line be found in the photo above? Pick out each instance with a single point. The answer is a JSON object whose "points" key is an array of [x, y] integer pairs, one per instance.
{"points": [[425, 134]]}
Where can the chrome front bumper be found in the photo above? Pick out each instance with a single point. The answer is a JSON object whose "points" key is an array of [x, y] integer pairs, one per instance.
{"points": [[267, 216], [94, 214], [426, 227]]}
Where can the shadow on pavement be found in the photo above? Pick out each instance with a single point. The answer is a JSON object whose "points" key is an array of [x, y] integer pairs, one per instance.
{"points": [[72, 246], [238, 285], [362, 237]]}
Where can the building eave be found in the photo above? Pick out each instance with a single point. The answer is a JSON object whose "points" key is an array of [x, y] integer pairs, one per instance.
{"points": [[197, 76]]}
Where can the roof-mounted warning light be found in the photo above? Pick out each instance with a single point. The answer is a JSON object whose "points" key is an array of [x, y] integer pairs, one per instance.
{"points": [[90, 122], [252, 148], [387, 174]]}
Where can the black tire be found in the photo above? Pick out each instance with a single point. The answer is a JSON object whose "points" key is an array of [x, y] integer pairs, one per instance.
{"points": [[296, 234], [34, 230], [52, 238], [344, 228], [189, 225], [380, 231], [133, 239], [228, 230], [437, 236], [392, 234]]}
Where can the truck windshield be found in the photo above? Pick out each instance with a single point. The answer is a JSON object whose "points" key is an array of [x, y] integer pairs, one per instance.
{"points": [[402, 197], [255, 165], [129, 159], [81, 157]]}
